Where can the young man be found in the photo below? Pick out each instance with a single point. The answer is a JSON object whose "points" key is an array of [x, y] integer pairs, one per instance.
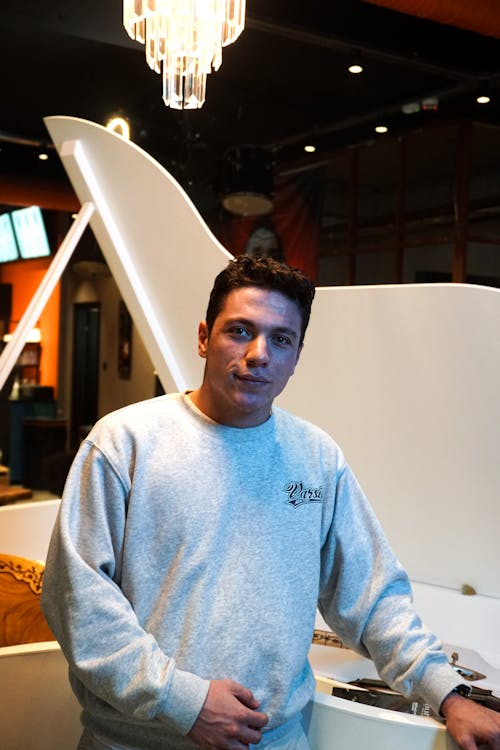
{"points": [[199, 531]]}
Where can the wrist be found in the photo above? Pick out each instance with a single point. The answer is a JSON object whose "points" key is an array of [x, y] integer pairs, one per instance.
{"points": [[459, 693]]}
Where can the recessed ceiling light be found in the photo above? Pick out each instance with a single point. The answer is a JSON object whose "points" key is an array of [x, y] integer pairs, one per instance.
{"points": [[381, 129], [310, 149], [483, 99], [43, 156], [355, 68]]}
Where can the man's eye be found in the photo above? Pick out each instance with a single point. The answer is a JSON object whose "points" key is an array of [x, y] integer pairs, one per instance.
{"points": [[282, 340], [238, 331]]}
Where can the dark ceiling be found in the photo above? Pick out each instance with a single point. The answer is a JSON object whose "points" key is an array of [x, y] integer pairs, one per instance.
{"points": [[282, 85]]}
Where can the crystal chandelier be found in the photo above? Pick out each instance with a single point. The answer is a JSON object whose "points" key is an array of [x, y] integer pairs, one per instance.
{"points": [[183, 41]]}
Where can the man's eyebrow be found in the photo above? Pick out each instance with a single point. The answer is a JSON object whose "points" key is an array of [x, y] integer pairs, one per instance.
{"points": [[251, 324], [239, 319]]}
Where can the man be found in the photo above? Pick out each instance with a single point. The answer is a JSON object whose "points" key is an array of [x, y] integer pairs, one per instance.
{"points": [[185, 569]]}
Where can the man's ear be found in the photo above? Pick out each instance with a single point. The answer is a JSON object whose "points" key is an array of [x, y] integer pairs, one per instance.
{"points": [[202, 339]]}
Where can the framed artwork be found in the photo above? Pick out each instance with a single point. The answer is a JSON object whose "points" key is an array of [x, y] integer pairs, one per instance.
{"points": [[124, 342]]}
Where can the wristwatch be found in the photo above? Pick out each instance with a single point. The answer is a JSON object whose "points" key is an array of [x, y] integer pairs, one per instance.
{"points": [[463, 690]]}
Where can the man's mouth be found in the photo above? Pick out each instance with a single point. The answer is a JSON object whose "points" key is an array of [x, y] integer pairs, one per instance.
{"points": [[246, 378]]}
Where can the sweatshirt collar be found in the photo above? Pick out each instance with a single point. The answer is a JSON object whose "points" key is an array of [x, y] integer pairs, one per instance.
{"points": [[237, 433]]}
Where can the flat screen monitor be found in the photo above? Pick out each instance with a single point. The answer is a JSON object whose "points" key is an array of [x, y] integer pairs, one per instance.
{"points": [[30, 233], [8, 244]]}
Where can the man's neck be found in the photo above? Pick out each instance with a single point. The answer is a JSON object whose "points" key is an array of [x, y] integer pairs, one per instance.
{"points": [[204, 404]]}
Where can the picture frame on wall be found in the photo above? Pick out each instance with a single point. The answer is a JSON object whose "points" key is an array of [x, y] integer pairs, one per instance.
{"points": [[124, 342]]}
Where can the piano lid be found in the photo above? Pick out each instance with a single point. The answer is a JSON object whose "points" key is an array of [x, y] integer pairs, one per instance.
{"points": [[409, 373], [410, 380], [160, 251]]}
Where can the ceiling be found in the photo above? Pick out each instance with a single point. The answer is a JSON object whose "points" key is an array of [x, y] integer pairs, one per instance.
{"points": [[282, 85]]}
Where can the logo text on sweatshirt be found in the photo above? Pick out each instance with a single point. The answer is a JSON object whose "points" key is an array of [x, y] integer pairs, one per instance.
{"points": [[298, 494]]}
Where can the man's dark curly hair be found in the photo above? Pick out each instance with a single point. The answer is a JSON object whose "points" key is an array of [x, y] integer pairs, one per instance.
{"points": [[265, 273]]}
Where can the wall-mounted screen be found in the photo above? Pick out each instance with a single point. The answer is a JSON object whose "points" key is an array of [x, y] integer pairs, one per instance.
{"points": [[8, 244], [30, 233]]}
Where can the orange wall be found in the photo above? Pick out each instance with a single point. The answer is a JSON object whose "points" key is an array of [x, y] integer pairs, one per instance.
{"points": [[25, 277], [18, 191]]}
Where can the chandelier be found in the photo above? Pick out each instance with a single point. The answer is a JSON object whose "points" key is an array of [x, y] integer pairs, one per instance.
{"points": [[183, 41]]}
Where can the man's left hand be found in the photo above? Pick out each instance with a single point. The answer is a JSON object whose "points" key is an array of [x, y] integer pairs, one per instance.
{"points": [[470, 724]]}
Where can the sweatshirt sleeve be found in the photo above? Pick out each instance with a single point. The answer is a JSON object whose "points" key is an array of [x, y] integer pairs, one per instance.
{"points": [[366, 599], [108, 651]]}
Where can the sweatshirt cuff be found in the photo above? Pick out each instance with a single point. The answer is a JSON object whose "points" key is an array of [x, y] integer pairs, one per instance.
{"points": [[186, 695], [441, 681]]}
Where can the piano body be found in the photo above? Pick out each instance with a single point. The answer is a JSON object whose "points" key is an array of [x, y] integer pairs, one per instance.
{"points": [[404, 377]]}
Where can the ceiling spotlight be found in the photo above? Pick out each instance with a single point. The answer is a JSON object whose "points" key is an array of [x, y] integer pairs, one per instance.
{"points": [[43, 156], [381, 129], [355, 68], [483, 92], [310, 149]]}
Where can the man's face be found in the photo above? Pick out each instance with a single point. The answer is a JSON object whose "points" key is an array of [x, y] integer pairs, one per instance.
{"points": [[250, 354]]}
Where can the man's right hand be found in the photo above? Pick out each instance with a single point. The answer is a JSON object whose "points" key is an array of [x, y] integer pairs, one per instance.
{"points": [[229, 719]]}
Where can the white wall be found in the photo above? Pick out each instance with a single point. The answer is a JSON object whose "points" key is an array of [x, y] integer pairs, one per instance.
{"points": [[114, 391]]}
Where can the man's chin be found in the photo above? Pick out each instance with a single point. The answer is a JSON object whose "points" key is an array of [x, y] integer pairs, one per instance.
{"points": [[249, 405]]}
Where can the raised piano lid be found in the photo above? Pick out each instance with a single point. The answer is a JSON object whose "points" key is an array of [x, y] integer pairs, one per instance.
{"points": [[406, 377], [410, 389], [160, 251]]}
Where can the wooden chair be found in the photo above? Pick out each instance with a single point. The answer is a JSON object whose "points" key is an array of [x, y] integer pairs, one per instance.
{"points": [[21, 617]]}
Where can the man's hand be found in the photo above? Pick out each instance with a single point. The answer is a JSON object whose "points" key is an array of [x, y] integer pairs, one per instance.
{"points": [[229, 719], [471, 725]]}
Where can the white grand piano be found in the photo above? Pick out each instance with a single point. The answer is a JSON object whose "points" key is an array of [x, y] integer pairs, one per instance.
{"points": [[406, 378]]}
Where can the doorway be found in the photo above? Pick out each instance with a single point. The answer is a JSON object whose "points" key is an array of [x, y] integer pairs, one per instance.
{"points": [[84, 391]]}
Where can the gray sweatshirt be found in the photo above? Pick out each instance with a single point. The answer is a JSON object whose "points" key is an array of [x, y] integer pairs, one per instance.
{"points": [[186, 551]]}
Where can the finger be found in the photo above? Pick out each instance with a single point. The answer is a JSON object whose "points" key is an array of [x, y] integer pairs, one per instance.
{"points": [[250, 736], [258, 720], [245, 695]]}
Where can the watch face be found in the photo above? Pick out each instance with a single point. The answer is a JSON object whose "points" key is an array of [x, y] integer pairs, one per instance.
{"points": [[464, 690]]}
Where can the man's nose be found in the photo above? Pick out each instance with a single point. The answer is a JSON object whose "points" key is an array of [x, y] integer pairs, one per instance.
{"points": [[258, 352]]}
